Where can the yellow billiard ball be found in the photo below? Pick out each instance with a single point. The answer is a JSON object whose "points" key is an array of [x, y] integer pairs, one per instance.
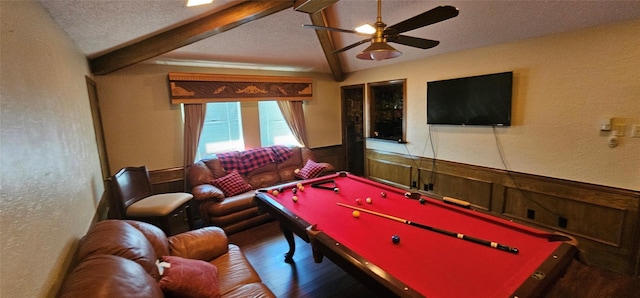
{"points": [[356, 213]]}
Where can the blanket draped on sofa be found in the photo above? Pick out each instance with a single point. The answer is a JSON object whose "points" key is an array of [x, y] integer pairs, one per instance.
{"points": [[251, 159]]}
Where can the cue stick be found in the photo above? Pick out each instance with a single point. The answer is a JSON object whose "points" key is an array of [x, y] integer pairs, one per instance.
{"points": [[437, 230]]}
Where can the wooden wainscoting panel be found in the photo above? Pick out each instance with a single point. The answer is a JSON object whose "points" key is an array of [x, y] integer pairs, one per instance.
{"points": [[330, 154], [167, 180], [566, 215], [393, 173], [475, 191]]}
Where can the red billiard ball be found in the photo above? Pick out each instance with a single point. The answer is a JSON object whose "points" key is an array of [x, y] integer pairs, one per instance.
{"points": [[359, 201], [383, 194]]}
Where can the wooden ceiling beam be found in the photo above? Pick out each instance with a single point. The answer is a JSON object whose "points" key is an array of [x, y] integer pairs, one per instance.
{"points": [[320, 19], [312, 6], [185, 34]]}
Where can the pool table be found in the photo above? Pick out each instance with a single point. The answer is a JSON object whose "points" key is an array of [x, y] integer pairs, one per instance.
{"points": [[409, 245]]}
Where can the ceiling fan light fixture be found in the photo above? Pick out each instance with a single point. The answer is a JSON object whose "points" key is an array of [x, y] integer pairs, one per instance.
{"points": [[365, 29], [191, 3], [379, 51]]}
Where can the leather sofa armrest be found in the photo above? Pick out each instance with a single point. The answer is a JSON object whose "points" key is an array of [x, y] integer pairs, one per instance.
{"points": [[202, 244], [207, 191]]}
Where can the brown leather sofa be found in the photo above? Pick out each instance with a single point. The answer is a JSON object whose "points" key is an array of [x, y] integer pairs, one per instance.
{"points": [[239, 212], [117, 258]]}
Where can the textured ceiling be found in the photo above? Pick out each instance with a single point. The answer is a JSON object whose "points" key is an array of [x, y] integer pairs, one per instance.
{"points": [[279, 41]]}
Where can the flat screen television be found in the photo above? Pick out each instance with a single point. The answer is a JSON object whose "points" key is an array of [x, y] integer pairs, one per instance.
{"points": [[477, 100]]}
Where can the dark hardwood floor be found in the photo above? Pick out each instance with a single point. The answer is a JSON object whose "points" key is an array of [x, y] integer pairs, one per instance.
{"points": [[265, 246]]}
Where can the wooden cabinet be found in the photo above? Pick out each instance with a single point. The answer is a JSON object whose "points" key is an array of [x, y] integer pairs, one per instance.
{"points": [[353, 128], [387, 115]]}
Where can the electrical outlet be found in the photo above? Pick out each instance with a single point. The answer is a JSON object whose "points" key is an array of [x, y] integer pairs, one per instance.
{"points": [[635, 131]]}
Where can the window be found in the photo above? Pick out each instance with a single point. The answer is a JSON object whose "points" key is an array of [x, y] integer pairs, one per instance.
{"points": [[274, 130], [222, 129], [224, 125]]}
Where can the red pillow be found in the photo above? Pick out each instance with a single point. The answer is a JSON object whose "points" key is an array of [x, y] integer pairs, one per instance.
{"points": [[189, 278], [231, 184], [310, 170]]}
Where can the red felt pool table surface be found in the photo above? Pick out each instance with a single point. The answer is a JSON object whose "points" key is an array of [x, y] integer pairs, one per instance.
{"points": [[430, 263]]}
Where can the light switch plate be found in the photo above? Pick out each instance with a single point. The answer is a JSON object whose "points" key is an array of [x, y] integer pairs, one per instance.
{"points": [[618, 129]]}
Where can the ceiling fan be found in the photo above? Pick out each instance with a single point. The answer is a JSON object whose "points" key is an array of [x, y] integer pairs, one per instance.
{"points": [[379, 49]]}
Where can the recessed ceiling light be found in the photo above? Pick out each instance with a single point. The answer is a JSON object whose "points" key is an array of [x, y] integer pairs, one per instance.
{"points": [[198, 2]]}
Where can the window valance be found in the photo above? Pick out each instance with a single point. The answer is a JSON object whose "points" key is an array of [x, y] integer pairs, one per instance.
{"points": [[202, 88]]}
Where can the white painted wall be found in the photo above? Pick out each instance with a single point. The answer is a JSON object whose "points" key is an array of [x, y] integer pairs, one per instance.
{"points": [[50, 171], [564, 84]]}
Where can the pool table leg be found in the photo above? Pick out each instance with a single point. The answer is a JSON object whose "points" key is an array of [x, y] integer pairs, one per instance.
{"points": [[288, 235], [312, 232]]}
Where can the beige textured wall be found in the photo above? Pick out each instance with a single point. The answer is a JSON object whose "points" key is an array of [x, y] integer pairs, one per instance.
{"points": [[564, 85], [51, 179], [143, 128]]}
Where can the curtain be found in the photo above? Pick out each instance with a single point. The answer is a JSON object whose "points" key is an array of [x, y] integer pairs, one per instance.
{"points": [[294, 115], [194, 115]]}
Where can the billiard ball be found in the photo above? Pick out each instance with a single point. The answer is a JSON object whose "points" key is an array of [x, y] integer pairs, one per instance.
{"points": [[423, 201], [294, 198], [359, 201], [275, 192], [407, 194], [395, 239], [336, 190], [383, 194], [368, 200], [356, 213], [270, 191], [298, 185], [294, 190], [281, 189], [301, 188]]}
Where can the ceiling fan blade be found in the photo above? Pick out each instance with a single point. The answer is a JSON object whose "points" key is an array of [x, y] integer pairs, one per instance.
{"points": [[330, 29], [414, 41], [432, 16], [351, 46]]}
